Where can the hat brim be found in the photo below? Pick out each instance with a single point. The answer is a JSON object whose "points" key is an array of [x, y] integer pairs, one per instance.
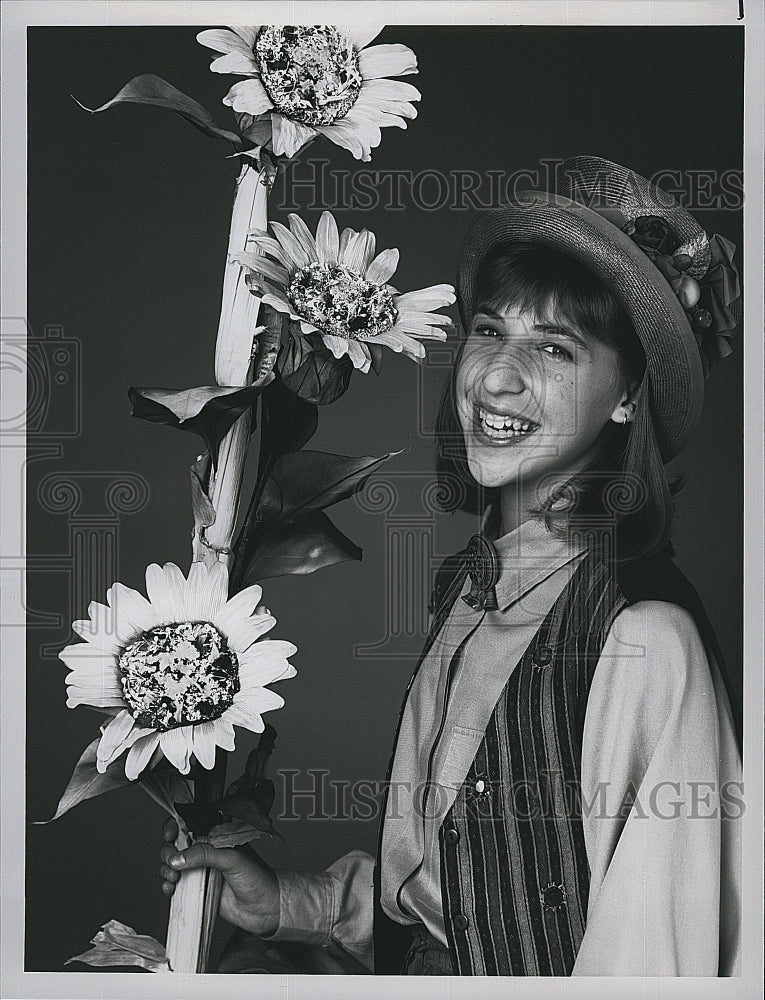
{"points": [[672, 357]]}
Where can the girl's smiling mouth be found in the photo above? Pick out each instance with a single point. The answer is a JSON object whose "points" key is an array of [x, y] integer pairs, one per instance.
{"points": [[501, 428]]}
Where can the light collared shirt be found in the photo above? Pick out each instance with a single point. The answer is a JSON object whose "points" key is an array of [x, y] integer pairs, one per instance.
{"points": [[665, 883]]}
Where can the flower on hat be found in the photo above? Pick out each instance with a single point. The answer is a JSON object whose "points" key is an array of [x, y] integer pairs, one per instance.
{"points": [[310, 80], [335, 286], [177, 671]]}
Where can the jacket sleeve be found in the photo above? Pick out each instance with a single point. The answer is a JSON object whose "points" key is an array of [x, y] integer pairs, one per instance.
{"points": [[661, 804], [333, 907]]}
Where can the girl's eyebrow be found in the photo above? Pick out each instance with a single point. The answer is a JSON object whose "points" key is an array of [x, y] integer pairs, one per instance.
{"points": [[561, 331], [485, 310]]}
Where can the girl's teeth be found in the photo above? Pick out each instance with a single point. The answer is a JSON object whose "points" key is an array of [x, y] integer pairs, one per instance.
{"points": [[497, 426]]}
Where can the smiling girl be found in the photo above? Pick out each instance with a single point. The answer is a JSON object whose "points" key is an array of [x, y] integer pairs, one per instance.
{"points": [[566, 769]]}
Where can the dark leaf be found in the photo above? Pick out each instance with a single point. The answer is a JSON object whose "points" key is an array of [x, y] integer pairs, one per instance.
{"points": [[312, 372], [234, 833], [303, 481], [251, 805], [167, 787], [300, 547], [288, 422], [206, 410], [376, 354], [86, 782], [153, 90], [199, 817]]}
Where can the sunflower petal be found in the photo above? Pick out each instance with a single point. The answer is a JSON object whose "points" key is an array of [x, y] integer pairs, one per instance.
{"points": [[288, 136], [239, 606], [224, 733], [241, 714], [327, 239], [166, 586], [140, 754], [425, 299], [337, 345], [267, 244], [175, 746], [291, 245], [235, 62], [302, 233], [383, 267], [396, 91], [248, 33], [345, 238], [250, 97], [360, 356], [223, 40], [387, 60], [114, 737], [242, 635], [132, 612], [361, 34], [203, 737], [360, 252], [261, 265], [257, 672]]}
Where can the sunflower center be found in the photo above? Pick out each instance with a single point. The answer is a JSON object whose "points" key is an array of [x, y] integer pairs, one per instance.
{"points": [[178, 675], [311, 73], [339, 302]]}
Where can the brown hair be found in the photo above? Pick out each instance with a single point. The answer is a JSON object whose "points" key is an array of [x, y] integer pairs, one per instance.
{"points": [[625, 487]]}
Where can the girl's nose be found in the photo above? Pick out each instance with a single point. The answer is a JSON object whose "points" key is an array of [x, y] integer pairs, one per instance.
{"points": [[504, 374]]}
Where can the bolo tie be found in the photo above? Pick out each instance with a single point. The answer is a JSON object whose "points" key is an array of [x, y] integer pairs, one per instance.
{"points": [[483, 568]]}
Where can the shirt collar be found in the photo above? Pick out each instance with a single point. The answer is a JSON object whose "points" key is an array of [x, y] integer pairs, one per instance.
{"points": [[527, 556]]}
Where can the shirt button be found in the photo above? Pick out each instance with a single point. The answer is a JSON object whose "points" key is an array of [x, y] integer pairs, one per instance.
{"points": [[461, 922], [452, 836], [542, 656]]}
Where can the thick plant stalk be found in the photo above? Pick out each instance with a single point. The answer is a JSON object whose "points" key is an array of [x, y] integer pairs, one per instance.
{"points": [[233, 351], [195, 902]]}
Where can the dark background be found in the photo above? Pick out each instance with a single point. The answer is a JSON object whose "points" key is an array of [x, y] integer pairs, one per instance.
{"points": [[128, 223]]}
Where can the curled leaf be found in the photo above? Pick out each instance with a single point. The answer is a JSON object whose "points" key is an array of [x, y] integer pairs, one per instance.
{"points": [[153, 90], [287, 421], [118, 944], [206, 410], [86, 782]]}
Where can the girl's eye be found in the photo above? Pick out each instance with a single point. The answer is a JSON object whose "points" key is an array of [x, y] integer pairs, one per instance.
{"points": [[483, 330], [558, 352]]}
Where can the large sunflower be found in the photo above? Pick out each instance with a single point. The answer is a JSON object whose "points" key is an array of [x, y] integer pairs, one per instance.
{"points": [[315, 80], [334, 285], [178, 670]]}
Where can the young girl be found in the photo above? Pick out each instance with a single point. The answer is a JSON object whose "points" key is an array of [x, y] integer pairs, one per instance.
{"points": [[564, 789]]}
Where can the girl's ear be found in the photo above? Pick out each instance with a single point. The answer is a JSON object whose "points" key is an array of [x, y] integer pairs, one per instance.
{"points": [[624, 413]]}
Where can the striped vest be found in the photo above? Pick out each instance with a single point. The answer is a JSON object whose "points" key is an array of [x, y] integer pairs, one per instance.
{"points": [[514, 871]]}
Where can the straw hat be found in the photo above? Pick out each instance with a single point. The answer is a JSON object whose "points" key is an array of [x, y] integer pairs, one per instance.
{"points": [[677, 285]]}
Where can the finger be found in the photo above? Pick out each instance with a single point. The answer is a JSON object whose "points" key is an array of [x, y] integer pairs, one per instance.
{"points": [[168, 888], [169, 874], [169, 830], [262, 610], [223, 859], [166, 852]]}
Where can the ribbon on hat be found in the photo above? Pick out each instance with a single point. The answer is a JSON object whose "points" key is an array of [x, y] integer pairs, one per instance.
{"points": [[483, 566], [704, 278]]}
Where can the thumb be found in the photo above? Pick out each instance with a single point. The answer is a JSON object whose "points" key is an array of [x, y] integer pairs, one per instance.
{"points": [[202, 855]]}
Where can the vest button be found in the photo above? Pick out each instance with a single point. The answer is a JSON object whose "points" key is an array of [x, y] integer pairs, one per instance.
{"points": [[553, 897], [461, 922], [452, 836], [542, 656]]}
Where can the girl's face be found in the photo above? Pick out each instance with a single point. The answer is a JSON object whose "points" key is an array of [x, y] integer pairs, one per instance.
{"points": [[533, 396]]}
